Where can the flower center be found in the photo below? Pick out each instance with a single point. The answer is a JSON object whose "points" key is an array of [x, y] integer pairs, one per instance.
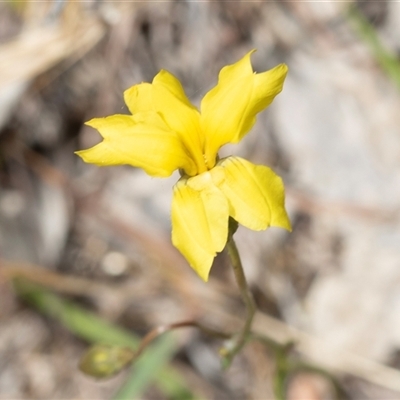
{"points": [[213, 177], [209, 163]]}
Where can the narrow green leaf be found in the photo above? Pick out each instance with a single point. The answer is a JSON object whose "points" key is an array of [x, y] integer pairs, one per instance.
{"points": [[388, 61], [94, 329], [147, 368]]}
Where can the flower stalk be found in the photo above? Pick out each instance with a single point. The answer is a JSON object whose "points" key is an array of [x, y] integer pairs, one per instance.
{"points": [[244, 335]]}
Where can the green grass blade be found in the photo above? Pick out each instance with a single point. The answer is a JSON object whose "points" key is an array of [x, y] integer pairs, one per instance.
{"points": [[82, 323], [147, 368], [387, 60], [150, 367]]}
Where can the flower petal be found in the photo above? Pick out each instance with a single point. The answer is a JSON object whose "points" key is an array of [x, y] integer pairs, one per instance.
{"points": [[167, 97], [142, 141], [200, 214], [228, 111], [145, 103], [255, 194], [172, 84]]}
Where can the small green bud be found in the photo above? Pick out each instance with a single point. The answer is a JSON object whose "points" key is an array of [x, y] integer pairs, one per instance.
{"points": [[103, 361]]}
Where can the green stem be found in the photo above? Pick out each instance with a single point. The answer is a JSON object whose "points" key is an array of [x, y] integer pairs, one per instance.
{"points": [[242, 337]]}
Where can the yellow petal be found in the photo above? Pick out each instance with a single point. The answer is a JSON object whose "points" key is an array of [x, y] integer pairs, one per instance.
{"points": [[129, 140], [166, 97], [200, 214], [228, 111], [144, 90], [255, 194], [172, 84]]}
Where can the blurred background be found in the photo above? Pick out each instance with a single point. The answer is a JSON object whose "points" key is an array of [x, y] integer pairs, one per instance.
{"points": [[86, 254]]}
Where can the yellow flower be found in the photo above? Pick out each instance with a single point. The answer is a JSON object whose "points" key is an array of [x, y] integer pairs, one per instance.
{"points": [[166, 132]]}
